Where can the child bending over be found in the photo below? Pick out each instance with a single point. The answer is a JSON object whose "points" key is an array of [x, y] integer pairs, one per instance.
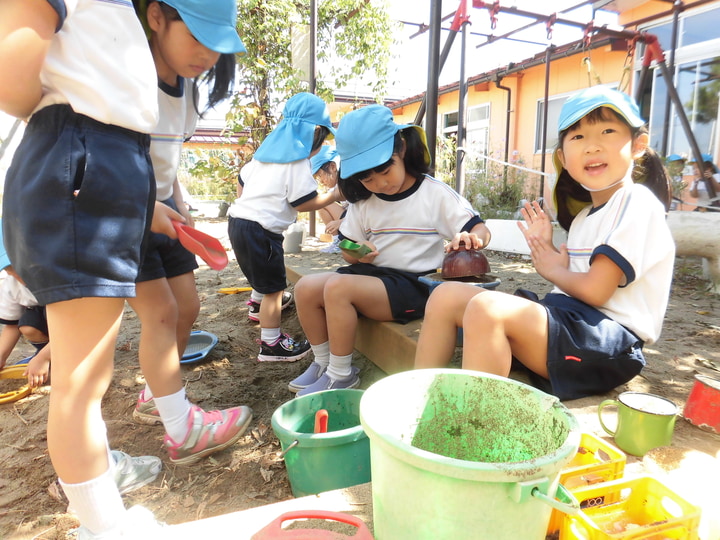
{"points": [[403, 215]]}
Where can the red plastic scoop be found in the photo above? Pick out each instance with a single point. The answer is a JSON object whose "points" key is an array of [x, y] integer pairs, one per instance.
{"points": [[207, 247], [321, 421]]}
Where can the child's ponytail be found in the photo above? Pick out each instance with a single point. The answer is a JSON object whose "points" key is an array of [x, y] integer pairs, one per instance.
{"points": [[650, 171]]}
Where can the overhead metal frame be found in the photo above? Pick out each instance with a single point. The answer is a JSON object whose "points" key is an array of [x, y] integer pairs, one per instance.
{"points": [[592, 34]]}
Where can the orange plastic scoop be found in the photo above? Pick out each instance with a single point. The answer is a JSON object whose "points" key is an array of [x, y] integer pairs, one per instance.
{"points": [[207, 247], [321, 421]]}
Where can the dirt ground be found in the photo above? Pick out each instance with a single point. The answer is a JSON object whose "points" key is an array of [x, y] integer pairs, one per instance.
{"points": [[250, 474]]}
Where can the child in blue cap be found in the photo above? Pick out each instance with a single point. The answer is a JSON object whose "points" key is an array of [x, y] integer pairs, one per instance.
{"points": [[326, 168], [706, 176], [77, 205], [612, 278], [403, 216], [272, 188], [189, 39]]}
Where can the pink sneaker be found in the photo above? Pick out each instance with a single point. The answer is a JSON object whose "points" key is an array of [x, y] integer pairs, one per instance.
{"points": [[209, 432]]}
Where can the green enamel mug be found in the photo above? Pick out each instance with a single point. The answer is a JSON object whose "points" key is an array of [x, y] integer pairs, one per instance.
{"points": [[644, 421]]}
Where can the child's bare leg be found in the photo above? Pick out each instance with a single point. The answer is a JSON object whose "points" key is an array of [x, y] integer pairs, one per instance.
{"points": [[83, 346], [186, 297], [443, 316], [156, 308], [498, 326], [310, 306], [270, 310], [347, 295]]}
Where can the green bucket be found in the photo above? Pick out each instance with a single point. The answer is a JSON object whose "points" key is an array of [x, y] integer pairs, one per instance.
{"points": [[318, 462], [463, 454]]}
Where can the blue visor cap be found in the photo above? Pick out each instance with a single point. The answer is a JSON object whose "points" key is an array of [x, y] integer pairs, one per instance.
{"points": [[324, 155], [211, 22], [366, 139], [579, 105], [4, 259], [674, 157], [292, 138]]}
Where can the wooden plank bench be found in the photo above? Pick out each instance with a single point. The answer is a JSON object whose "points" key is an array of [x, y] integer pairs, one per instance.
{"points": [[390, 346]]}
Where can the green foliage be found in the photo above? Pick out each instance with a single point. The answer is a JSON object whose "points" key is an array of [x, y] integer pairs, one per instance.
{"points": [[210, 174], [353, 39], [493, 189]]}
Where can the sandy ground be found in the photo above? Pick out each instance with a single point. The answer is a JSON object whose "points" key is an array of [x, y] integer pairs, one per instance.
{"points": [[250, 474]]}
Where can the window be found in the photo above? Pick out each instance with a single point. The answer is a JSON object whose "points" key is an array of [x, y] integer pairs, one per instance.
{"points": [[554, 106], [697, 80]]}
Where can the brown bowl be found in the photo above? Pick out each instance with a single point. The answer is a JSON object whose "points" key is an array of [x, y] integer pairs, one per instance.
{"points": [[464, 262]]}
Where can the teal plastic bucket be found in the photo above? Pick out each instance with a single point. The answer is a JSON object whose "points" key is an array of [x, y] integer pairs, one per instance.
{"points": [[462, 454], [324, 461]]}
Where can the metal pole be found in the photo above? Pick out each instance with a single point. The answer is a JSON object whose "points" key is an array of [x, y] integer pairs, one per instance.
{"points": [[671, 65], [312, 76], [548, 53], [462, 116], [433, 74]]}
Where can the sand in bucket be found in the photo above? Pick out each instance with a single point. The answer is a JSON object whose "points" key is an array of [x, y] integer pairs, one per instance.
{"points": [[462, 454], [470, 426]]}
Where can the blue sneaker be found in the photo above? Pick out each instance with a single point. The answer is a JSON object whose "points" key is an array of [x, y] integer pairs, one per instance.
{"points": [[309, 376], [326, 383]]}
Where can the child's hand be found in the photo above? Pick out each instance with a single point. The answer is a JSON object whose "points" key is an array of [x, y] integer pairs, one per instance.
{"points": [[537, 223], [333, 227], [469, 239], [162, 220], [38, 368], [547, 260], [368, 258]]}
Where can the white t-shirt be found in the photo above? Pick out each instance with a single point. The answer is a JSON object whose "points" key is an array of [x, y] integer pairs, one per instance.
{"points": [[177, 123], [632, 230], [101, 41], [14, 298], [271, 191], [408, 229]]}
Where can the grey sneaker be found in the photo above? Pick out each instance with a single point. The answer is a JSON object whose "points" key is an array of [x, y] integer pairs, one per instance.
{"points": [[309, 376], [326, 383], [146, 412], [132, 473]]}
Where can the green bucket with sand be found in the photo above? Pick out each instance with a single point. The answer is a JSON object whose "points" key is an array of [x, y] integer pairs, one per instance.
{"points": [[462, 454]]}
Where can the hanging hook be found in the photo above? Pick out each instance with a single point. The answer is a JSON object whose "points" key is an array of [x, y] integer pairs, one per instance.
{"points": [[494, 10], [549, 25]]}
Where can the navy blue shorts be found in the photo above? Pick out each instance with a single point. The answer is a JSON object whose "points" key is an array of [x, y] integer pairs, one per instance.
{"points": [[588, 352], [35, 317], [260, 255], [77, 206], [407, 294], [165, 257]]}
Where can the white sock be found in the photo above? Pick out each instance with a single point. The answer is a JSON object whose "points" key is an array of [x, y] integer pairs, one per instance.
{"points": [[269, 335], [147, 393], [340, 366], [256, 296], [322, 353], [174, 411], [97, 502]]}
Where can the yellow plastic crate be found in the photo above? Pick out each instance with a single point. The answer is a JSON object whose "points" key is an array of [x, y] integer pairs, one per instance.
{"points": [[641, 508], [595, 461]]}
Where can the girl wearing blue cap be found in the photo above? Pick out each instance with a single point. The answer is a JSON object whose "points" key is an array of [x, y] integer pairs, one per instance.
{"points": [[272, 188], [403, 216], [325, 168], [77, 205], [612, 278], [703, 180]]}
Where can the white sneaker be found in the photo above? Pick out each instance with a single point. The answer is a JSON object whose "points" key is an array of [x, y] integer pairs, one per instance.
{"points": [[139, 524]]}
